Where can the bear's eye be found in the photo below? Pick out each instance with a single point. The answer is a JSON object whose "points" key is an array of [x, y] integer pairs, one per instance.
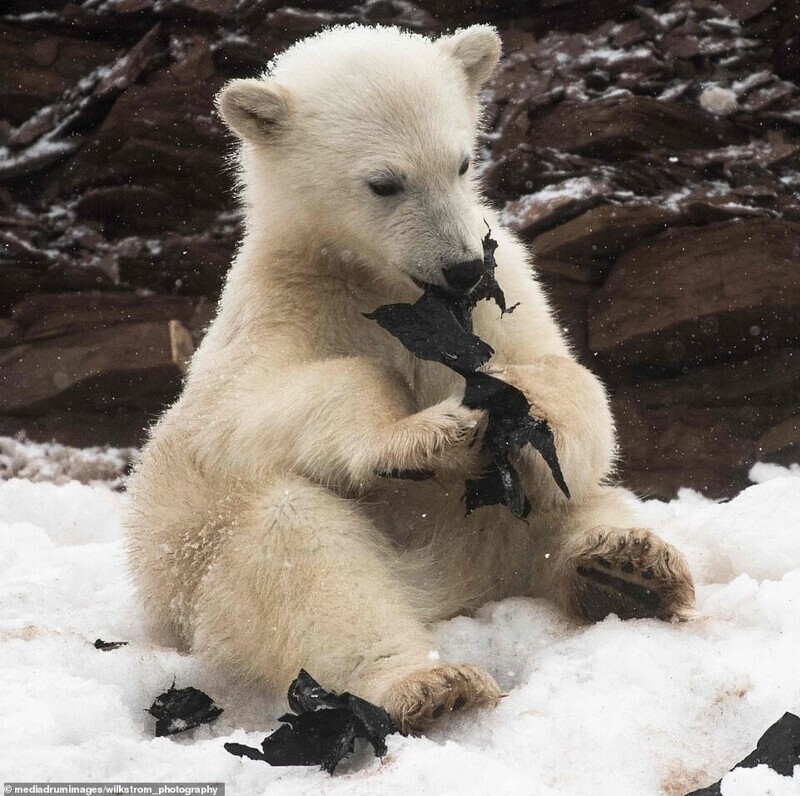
{"points": [[385, 187], [464, 166]]}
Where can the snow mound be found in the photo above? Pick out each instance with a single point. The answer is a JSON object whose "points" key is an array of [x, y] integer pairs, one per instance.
{"points": [[50, 461], [639, 707]]}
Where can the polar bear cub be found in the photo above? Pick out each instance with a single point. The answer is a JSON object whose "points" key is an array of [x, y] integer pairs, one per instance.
{"points": [[262, 533]]}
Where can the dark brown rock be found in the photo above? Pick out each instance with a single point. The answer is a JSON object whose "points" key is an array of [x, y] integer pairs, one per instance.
{"points": [[613, 128], [769, 379], [128, 209], [523, 169], [781, 442], [747, 9], [630, 33], [36, 70], [555, 270], [537, 212], [56, 133], [704, 429], [663, 450], [17, 282], [54, 314], [664, 232], [520, 91], [136, 145], [185, 264], [602, 233], [120, 366], [82, 427], [696, 294]]}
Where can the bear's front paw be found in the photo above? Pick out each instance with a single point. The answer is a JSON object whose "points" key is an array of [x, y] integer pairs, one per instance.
{"points": [[629, 572], [445, 438], [525, 379], [424, 695]]}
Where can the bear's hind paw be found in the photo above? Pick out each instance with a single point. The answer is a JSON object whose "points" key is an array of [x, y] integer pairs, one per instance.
{"points": [[629, 572]]}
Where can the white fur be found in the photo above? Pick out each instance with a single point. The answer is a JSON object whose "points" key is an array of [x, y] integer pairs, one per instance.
{"points": [[260, 532]]}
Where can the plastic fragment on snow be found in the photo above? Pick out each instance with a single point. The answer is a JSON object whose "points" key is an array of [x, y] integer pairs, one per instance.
{"points": [[322, 730], [181, 709], [778, 748], [99, 644]]}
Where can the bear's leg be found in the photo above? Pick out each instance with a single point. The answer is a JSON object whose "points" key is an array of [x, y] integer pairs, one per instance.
{"points": [[604, 565], [304, 580]]}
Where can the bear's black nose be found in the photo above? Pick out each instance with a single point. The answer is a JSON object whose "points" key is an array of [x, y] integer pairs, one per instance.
{"points": [[463, 277]]}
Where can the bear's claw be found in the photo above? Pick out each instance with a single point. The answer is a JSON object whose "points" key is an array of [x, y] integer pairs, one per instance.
{"points": [[422, 696]]}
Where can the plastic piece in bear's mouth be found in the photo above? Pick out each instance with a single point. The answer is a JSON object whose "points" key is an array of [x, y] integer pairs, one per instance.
{"points": [[322, 730], [438, 327], [487, 288], [181, 709]]}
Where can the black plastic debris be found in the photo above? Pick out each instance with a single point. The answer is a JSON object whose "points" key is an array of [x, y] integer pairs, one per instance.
{"points": [[778, 748], [181, 709], [99, 644], [322, 730], [438, 328], [407, 475], [488, 288], [509, 428]]}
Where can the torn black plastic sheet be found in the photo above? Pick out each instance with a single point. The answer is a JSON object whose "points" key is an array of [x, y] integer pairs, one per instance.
{"points": [[407, 475], [181, 709], [510, 427], [778, 748], [489, 288], [322, 730], [106, 646], [438, 328]]}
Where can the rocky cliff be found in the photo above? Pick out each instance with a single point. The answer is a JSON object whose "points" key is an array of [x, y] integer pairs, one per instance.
{"points": [[650, 154]]}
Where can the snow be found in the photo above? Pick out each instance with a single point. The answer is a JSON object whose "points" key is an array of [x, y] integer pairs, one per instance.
{"points": [[518, 211], [759, 780], [605, 56], [32, 16], [574, 188], [50, 461], [719, 100], [639, 707], [43, 148]]}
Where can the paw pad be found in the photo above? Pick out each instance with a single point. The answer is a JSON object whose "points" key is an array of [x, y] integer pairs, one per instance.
{"points": [[630, 574]]}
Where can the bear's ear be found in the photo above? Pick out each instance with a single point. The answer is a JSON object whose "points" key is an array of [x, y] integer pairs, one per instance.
{"points": [[477, 49], [255, 110]]}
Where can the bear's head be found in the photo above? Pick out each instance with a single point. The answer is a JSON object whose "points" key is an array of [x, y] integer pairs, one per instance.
{"points": [[360, 140]]}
